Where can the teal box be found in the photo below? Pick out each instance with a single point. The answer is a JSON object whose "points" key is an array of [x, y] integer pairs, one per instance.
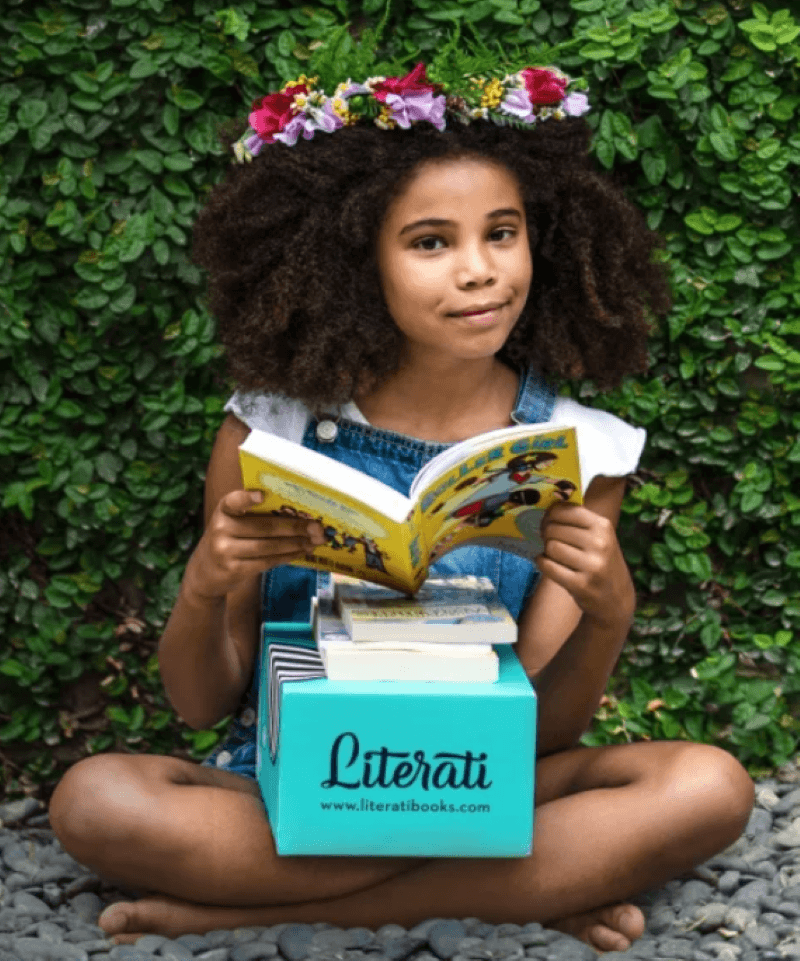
{"points": [[393, 768]]}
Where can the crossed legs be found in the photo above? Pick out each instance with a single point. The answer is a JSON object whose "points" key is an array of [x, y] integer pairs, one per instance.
{"points": [[611, 822]]}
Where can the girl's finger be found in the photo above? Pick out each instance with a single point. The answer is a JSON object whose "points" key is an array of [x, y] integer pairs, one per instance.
{"points": [[575, 515], [264, 525], [264, 548], [563, 576], [578, 537], [236, 503], [566, 555]]}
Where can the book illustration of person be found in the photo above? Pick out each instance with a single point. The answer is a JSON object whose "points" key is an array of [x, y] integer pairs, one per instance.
{"points": [[288, 510], [522, 470], [333, 538], [373, 555]]}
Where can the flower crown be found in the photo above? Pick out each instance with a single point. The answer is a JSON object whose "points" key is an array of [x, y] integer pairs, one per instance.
{"points": [[521, 99]]}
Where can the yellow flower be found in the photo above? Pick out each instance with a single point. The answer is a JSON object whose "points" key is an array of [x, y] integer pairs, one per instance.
{"points": [[384, 119], [492, 94], [340, 109]]}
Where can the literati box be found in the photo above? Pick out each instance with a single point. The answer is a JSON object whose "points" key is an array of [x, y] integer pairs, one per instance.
{"points": [[393, 768]]}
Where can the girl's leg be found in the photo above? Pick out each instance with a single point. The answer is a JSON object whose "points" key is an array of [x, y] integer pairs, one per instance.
{"points": [[159, 823], [611, 822]]}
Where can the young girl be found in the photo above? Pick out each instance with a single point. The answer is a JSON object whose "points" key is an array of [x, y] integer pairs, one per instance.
{"points": [[411, 271]]}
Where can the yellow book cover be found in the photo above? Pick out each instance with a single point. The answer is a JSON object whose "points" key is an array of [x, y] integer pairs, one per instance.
{"points": [[490, 490]]}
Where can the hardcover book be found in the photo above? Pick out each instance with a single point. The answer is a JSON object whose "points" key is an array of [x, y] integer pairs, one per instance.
{"points": [[490, 490]]}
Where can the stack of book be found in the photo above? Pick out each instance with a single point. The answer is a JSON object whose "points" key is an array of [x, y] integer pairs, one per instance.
{"points": [[366, 632]]}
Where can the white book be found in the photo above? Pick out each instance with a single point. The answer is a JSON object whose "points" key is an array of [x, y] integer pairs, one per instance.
{"points": [[463, 610], [405, 660]]}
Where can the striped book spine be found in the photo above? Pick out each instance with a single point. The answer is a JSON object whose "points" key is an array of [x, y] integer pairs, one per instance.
{"points": [[287, 662]]}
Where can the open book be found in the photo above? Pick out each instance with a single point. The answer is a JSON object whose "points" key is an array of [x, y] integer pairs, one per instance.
{"points": [[489, 490]]}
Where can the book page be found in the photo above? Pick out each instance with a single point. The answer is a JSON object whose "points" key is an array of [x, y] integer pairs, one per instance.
{"points": [[496, 497], [359, 539]]}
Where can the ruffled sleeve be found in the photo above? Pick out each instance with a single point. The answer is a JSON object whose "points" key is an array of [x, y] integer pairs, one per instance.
{"points": [[272, 413], [607, 445]]}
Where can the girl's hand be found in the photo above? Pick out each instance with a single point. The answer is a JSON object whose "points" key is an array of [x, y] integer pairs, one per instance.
{"points": [[237, 545], [582, 555]]}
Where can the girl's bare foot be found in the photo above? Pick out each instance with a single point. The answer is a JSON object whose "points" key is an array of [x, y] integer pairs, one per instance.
{"points": [[612, 928], [126, 921]]}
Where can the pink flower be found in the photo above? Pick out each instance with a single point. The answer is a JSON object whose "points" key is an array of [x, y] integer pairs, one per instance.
{"points": [[272, 113], [415, 82], [543, 86]]}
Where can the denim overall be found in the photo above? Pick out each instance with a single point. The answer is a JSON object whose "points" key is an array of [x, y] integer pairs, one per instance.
{"points": [[394, 459]]}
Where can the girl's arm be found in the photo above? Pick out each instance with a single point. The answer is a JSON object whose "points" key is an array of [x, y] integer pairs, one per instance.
{"points": [[207, 651], [573, 629]]}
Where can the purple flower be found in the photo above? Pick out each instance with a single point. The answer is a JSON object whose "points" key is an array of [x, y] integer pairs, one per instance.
{"points": [[518, 104], [352, 89], [308, 121], [576, 104], [419, 106], [254, 143], [292, 130], [330, 120]]}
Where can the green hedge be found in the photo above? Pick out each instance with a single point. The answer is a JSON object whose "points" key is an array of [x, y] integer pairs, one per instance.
{"points": [[111, 386]]}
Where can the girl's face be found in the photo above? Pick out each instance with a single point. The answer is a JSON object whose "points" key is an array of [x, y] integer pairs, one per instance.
{"points": [[455, 241]]}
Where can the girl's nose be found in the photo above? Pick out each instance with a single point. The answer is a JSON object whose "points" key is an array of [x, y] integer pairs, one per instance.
{"points": [[475, 266]]}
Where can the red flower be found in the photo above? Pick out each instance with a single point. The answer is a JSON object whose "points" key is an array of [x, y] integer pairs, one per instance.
{"points": [[414, 82], [271, 114], [543, 86]]}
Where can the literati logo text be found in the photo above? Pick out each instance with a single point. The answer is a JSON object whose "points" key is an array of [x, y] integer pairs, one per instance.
{"points": [[385, 768]]}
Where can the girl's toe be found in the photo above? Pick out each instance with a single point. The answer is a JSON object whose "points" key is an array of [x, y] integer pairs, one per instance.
{"points": [[116, 918]]}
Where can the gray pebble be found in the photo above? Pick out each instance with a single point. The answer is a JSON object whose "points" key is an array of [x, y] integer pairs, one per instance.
{"points": [[255, 951], [751, 893], [761, 936], [570, 949], [399, 948], [444, 936], [421, 930], [760, 822], [194, 942], [694, 891], [34, 949], [173, 951], [29, 904], [729, 882], [711, 916], [738, 918], [294, 940]]}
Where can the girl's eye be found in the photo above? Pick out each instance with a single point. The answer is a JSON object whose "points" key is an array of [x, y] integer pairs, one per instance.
{"points": [[417, 245], [504, 230], [425, 240]]}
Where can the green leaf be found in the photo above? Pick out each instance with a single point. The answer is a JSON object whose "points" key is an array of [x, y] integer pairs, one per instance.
{"points": [[171, 119], [150, 159], [186, 99], [724, 144], [91, 298], [31, 113], [145, 67], [108, 466]]}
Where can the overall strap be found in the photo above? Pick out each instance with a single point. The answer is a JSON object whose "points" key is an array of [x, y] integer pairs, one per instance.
{"points": [[536, 399]]}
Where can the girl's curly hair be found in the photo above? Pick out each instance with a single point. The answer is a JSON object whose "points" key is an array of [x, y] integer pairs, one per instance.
{"points": [[289, 241]]}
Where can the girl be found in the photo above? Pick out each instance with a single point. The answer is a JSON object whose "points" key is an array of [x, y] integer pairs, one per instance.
{"points": [[411, 271]]}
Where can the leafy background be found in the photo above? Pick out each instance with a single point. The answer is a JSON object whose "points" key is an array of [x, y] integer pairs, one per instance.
{"points": [[111, 385]]}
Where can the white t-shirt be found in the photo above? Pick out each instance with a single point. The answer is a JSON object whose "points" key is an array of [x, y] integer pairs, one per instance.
{"points": [[607, 445]]}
